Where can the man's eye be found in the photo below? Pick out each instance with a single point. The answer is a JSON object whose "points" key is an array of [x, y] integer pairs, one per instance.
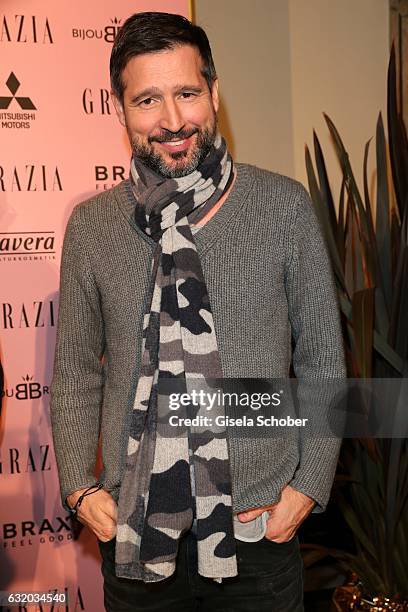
{"points": [[187, 94], [146, 102]]}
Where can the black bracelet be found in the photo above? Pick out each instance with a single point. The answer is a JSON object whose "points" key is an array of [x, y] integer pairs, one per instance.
{"points": [[88, 491]]}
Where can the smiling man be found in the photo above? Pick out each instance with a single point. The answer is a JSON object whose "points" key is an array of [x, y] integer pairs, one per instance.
{"points": [[171, 124], [194, 267]]}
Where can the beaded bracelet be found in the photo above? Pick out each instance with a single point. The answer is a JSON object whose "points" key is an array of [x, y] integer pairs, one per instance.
{"points": [[88, 491]]}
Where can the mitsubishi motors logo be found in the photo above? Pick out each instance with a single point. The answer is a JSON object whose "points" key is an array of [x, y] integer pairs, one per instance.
{"points": [[13, 85]]}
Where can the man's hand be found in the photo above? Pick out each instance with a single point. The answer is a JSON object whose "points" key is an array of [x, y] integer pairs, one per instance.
{"points": [[97, 511], [285, 517]]}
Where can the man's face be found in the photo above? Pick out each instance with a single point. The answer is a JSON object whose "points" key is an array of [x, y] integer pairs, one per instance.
{"points": [[168, 110]]}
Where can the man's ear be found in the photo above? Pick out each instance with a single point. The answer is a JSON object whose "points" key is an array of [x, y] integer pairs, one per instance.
{"points": [[118, 108], [214, 95]]}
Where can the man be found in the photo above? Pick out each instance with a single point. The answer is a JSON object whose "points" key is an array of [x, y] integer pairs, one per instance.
{"points": [[193, 267]]}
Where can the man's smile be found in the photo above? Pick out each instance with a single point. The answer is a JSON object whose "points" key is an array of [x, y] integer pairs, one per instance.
{"points": [[175, 146]]}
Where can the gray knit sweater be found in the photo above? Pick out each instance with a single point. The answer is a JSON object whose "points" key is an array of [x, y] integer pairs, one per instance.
{"points": [[268, 278]]}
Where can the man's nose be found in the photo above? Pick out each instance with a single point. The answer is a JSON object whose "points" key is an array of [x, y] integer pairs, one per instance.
{"points": [[171, 118]]}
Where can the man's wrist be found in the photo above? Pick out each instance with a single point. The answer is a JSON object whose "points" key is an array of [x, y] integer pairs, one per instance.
{"points": [[307, 500], [75, 499], [72, 498]]}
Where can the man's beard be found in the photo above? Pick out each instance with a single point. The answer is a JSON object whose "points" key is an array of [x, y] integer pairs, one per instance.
{"points": [[157, 163]]}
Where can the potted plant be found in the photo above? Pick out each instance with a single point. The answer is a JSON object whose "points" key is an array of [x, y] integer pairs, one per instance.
{"points": [[369, 254]]}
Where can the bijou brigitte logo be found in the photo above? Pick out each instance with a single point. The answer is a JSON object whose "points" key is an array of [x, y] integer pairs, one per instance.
{"points": [[108, 33]]}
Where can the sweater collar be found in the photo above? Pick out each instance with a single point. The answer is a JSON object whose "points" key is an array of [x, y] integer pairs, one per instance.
{"points": [[214, 228]]}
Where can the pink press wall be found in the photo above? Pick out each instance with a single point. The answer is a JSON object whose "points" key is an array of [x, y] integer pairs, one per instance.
{"points": [[60, 142]]}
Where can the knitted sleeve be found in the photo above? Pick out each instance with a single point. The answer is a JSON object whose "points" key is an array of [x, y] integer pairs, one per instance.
{"points": [[77, 385], [318, 347]]}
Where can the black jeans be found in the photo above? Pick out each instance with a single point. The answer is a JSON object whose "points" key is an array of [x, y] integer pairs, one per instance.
{"points": [[270, 580]]}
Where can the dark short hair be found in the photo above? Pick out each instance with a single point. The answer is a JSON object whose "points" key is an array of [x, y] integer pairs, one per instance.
{"points": [[150, 32]]}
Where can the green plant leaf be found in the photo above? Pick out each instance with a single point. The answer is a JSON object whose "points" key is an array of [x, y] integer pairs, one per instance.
{"points": [[340, 235], [311, 557], [381, 310], [371, 268], [398, 334], [380, 344], [397, 138], [321, 212], [355, 251], [363, 324], [391, 518], [382, 225], [354, 193], [402, 493], [395, 242], [358, 530], [348, 257], [326, 191]]}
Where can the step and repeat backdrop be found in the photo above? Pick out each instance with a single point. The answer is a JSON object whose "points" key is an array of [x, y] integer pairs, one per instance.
{"points": [[60, 142]]}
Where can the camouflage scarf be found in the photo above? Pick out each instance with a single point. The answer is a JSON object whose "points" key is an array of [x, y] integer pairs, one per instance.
{"points": [[175, 481]]}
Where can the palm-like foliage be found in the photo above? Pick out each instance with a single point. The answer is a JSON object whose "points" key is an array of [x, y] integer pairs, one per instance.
{"points": [[370, 263]]}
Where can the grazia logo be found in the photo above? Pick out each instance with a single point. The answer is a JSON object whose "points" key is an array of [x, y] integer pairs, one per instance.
{"points": [[25, 29]]}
